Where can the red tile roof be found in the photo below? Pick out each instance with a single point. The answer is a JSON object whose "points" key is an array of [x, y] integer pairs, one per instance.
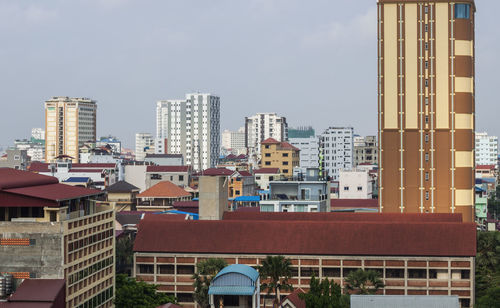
{"points": [[287, 145], [167, 168], [270, 141], [184, 204], [54, 192], [38, 290], [244, 173], [487, 167], [164, 189], [354, 203], [372, 238], [295, 299], [12, 178], [38, 167], [267, 170], [241, 156], [358, 217], [90, 170], [216, 172], [94, 165]]}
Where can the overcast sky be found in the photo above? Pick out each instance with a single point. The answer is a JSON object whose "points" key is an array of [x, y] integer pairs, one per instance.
{"points": [[313, 61]]}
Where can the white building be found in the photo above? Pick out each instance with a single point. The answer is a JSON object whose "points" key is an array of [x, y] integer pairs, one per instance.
{"points": [[355, 184], [190, 127], [309, 152], [69, 123], [38, 133], [261, 127], [234, 141], [336, 151], [486, 149], [144, 144]]}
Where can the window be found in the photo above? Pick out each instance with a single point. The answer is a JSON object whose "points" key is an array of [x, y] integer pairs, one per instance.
{"points": [[285, 170], [257, 177], [426, 46], [426, 138], [426, 82], [426, 195], [266, 146], [426, 156], [17, 157], [360, 188], [426, 119], [346, 188], [394, 273], [285, 154], [426, 9], [285, 163], [181, 178], [267, 155], [426, 64], [155, 176], [267, 163], [427, 176], [146, 269], [417, 273], [331, 272], [462, 11], [165, 269], [185, 269], [308, 271], [426, 101], [237, 193], [426, 28]]}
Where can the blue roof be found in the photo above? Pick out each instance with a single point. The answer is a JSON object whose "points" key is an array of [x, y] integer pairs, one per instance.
{"points": [[247, 198], [231, 290], [195, 216], [77, 179], [246, 270], [478, 189]]}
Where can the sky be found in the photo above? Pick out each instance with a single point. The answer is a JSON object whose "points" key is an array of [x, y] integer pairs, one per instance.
{"points": [[314, 61]]}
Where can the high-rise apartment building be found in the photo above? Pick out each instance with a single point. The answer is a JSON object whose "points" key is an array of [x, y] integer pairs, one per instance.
{"points": [[144, 144], [335, 147], [234, 141], [426, 106], [261, 127], [486, 149], [309, 152], [190, 127], [365, 150], [69, 123]]}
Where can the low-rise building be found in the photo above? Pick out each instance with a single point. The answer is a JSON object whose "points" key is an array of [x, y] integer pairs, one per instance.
{"points": [[161, 196], [38, 293], [241, 183], [282, 155], [15, 159], [55, 231], [165, 159], [355, 184], [415, 254], [365, 150], [123, 195], [179, 175], [265, 175], [296, 196]]}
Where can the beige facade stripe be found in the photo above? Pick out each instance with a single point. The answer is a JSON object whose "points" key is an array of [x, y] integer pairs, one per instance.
{"points": [[390, 66], [464, 197], [411, 61], [464, 159], [463, 48], [464, 121], [464, 84], [442, 66]]}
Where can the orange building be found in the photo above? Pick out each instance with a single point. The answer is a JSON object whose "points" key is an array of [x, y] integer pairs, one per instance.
{"points": [[282, 155]]}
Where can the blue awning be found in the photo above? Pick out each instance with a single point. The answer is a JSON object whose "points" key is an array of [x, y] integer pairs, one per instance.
{"points": [[247, 198], [231, 290], [76, 179]]}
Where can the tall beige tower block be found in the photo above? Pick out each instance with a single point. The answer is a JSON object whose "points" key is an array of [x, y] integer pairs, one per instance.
{"points": [[426, 106], [69, 123]]}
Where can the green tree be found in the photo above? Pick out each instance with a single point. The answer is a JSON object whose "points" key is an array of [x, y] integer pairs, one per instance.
{"points": [[277, 270], [363, 282], [206, 271], [487, 268], [124, 254], [325, 294], [138, 294]]}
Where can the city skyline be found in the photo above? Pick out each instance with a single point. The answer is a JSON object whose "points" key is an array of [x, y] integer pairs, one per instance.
{"points": [[287, 73]]}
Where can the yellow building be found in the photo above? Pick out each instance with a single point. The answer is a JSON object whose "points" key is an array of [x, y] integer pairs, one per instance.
{"points": [[280, 155], [69, 123]]}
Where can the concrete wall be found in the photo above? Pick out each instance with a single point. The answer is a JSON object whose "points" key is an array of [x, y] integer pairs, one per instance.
{"points": [[42, 259], [213, 197], [136, 175]]}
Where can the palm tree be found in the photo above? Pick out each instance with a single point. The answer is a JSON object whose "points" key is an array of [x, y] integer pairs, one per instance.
{"points": [[277, 269], [205, 272], [363, 282]]}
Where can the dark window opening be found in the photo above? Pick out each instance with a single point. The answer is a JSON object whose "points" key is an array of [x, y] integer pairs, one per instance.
{"points": [[417, 273], [394, 273]]}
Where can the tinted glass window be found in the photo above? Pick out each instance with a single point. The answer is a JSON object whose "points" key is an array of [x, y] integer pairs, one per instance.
{"points": [[462, 10]]}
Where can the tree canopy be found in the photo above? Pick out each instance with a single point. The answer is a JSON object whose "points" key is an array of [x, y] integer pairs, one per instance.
{"points": [[488, 269], [138, 294], [324, 294], [206, 271], [274, 273], [363, 282]]}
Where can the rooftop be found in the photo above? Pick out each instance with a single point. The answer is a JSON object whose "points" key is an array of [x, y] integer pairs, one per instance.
{"points": [[267, 170], [163, 155], [164, 189], [167, 168], [354, 203], [121, 187]]}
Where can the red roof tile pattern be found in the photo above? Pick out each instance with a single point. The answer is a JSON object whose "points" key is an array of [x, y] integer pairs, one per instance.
{"points": [[339, 238], [12, 178], [267, 170], [164, 189], [485, 167], [86, 170], [183, 204], [38, 290], [295, 299], [38, 167], [94, 165], [217, 172], [167, 169], [270, 141], [286, 145], [54, 192], [355, 217], [244, 173], [354, 203]]}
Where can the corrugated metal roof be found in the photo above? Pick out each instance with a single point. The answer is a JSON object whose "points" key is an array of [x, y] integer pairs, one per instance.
{"points": [[77, 179], [248, 198], [231, 290], [246, 270], [404, 301]]}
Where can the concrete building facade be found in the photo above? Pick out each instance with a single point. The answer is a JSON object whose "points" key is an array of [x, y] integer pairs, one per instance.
{"points": [[426, 106], [355, 184], [336, 151], [144, 144], [69, 123], [233, 142], [280, 155], [309, 151], [486, 149], [365, 150], [261, 127], [190, 127]]}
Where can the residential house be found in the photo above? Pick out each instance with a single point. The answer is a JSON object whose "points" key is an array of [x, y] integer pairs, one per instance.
{"points": [[282, 155]]}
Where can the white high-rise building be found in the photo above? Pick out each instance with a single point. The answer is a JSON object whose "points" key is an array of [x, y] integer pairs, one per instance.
{"points": [[190, 127], [234, 141], [309, 151], [144, 144], [38, 133], [486, 149], [336, 151], [261, 127], [69, 123]]}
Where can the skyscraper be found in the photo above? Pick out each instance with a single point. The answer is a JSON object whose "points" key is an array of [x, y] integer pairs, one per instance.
{"points": [[69, 123], [190, 127], [426, 106]]}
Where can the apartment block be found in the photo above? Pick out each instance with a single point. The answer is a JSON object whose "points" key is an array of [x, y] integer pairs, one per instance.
{"points": [[356, 184], [56, 231], [309, 151], [261, 127], [426, 106], [190, 127], [365, 150], [166, 252], [144, 144], [486, 149], [282, 155], [336, 151], [233, 142], [69, 123]]}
